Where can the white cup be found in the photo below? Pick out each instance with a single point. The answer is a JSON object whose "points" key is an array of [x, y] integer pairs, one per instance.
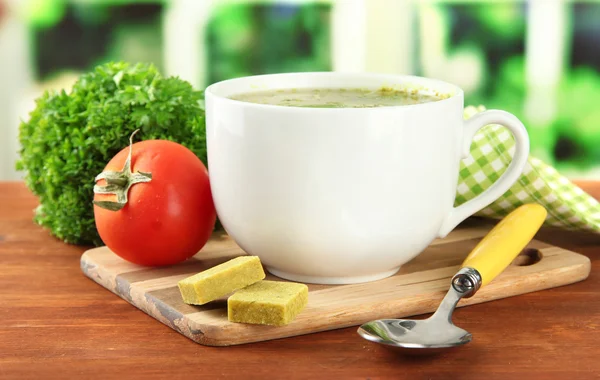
{"points": [[343, 195]]}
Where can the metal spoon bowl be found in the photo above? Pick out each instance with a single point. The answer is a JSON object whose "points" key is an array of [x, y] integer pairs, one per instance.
{"points": [[397, 332]]}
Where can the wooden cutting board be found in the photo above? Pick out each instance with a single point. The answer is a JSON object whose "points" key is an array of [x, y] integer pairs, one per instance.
{"points": [[416, 289]]}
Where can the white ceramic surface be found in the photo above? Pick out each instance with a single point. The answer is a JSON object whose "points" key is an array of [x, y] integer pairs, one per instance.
{"points": [[337, 196]]}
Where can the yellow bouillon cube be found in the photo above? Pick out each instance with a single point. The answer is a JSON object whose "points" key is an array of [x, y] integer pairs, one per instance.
{"points": [[221, 280], [267, 303]]}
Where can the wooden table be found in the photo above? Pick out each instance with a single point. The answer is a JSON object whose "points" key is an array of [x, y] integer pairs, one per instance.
{"points": [[56, 323]]}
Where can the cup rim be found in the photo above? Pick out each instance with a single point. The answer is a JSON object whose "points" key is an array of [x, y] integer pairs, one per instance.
{"points": [[453, 90]]}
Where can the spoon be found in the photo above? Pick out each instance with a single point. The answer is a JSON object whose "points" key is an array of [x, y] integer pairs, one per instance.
{"points": [[486, 261]]}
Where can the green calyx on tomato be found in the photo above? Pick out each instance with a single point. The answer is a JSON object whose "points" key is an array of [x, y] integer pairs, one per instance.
{"points": [[119, 183]]}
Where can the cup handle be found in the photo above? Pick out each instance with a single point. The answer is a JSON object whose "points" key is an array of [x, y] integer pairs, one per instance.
{"points": [[508, 178]]}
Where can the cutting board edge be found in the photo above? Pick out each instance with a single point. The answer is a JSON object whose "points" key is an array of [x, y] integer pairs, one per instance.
{"points": [[110, 282]]}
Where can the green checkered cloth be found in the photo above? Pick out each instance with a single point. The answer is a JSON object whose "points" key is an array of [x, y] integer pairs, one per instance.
{"points": [[568, 206]]}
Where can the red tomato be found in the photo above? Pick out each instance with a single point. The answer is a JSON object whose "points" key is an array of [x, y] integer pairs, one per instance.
{"points": [[166, 220]]}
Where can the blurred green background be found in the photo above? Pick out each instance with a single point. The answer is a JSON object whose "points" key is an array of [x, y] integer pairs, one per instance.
{"points": [[537, 59]]}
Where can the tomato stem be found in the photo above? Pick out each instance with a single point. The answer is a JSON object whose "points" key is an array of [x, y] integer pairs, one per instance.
{"points": [[119, 183]]}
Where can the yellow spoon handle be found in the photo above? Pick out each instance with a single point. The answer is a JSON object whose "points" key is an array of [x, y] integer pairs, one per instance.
{"points": [[505, 241]]}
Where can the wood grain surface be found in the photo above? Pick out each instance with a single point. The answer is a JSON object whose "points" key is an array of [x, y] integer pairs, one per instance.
{"points": [[55, 323], [417, 288]]}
